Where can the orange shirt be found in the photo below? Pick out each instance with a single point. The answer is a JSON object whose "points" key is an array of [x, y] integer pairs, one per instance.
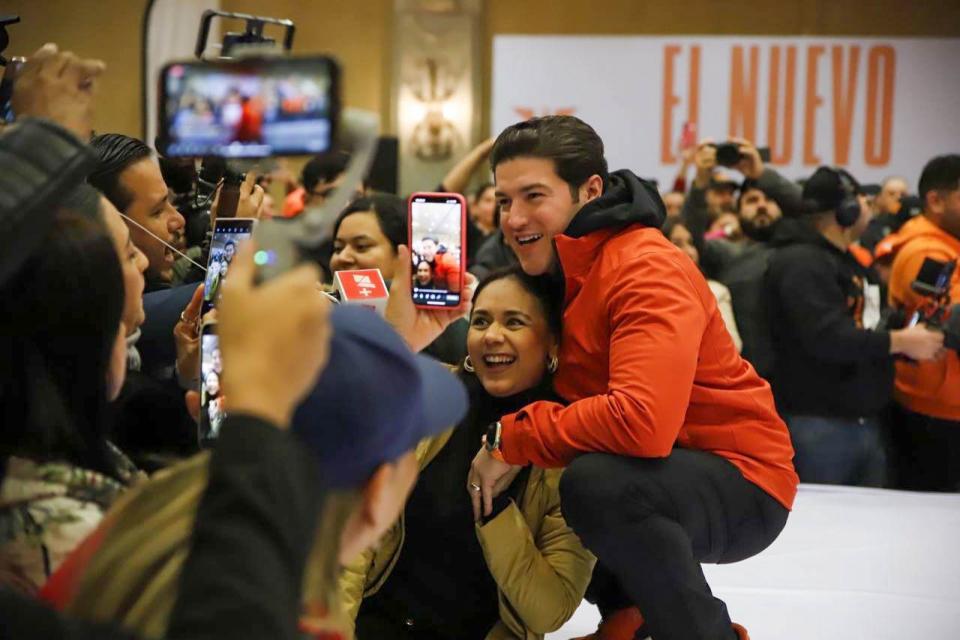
{"points": [[646, 363], [928, 388], [293, 204]]}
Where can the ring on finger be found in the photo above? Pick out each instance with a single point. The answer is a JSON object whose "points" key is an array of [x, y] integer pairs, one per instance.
{"points": [[474, 486]]}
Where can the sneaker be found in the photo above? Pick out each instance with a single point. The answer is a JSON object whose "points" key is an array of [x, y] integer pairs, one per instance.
{"points": [[622, 624]]}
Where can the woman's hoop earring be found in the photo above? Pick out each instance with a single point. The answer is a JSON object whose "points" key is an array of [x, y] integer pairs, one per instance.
{"points": [[468, 365], [553, 364]]}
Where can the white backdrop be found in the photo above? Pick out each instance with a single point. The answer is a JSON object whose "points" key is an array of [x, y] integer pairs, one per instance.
{"points": [[636, 91], [171, 35]]}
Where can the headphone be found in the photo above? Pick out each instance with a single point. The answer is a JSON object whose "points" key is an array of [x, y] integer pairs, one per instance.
{"points": [[848, 207]]}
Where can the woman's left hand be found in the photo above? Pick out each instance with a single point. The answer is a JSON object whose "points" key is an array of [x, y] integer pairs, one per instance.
{"points": [[187, 338], [493, 477]]}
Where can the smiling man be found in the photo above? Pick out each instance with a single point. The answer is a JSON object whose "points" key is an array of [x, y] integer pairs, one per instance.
{"points": [[674, 451], [129, 176]]}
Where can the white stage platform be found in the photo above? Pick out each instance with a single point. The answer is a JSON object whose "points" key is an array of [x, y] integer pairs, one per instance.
{"points": [[852, 564]]}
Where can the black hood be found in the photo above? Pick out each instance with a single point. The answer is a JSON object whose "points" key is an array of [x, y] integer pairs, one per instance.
{"points": [[626, 200], [793, 230]]}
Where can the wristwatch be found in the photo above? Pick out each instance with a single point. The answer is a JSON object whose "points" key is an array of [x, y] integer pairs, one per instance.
{"points": [[491, 440]]}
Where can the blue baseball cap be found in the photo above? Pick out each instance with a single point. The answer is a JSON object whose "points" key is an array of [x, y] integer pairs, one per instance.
{"points": [[374, 401]]}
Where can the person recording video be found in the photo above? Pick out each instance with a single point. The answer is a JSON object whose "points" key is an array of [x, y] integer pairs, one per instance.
{"points": [[440, 574], [928, 393]]}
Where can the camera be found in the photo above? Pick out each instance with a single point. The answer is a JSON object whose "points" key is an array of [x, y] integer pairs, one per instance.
{"points": [[728, 154]]}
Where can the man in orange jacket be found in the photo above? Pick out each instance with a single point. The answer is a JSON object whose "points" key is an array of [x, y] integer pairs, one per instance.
{"points": [[673, 449], [928, 437]]}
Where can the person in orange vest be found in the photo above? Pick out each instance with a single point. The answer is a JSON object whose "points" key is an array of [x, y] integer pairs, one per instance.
{"points": [[669, 435], [928, 435]]}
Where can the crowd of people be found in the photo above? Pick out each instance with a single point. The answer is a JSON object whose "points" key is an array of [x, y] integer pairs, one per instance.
{"points": [[629, 374]]}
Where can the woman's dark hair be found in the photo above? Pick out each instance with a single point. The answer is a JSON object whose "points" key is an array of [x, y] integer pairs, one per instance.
{"points": [[574, 147], [672, 223], [542, 287], [391, 216], [478, 193], [57, 331], [115, 152]]}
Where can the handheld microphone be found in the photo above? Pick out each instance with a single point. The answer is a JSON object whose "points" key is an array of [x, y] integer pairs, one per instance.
{"points": [[363, 287]]}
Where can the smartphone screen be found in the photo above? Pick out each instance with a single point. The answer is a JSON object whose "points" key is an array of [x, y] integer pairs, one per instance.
{"points": [[688, 138], [227, 235], [438, 248], [211, 399], [248, 108]]}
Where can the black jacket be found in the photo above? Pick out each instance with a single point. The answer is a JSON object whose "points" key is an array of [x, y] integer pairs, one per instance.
{"points": [[262, 503], [826, 364]]}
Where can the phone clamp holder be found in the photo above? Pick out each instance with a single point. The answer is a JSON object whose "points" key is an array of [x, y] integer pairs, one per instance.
{"points": [[252, 37], [281, 243]]}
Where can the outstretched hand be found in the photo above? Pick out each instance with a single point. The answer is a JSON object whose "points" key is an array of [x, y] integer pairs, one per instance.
{"points": [[420, 327]]}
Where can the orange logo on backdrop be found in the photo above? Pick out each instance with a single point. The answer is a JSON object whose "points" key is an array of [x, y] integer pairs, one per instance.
{"points": [[526, 113], [845, 65]]}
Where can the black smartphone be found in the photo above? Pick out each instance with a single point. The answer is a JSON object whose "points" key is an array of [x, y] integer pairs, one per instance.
{"points": [[438, 245], [212, 412], [249, 107], [6, 88], [228, 233]]}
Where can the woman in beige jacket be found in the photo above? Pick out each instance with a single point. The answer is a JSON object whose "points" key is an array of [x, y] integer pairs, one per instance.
{"points": [[521, 573]]}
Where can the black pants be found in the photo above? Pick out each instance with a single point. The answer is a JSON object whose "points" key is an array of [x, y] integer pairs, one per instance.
{"points": [[651, 522], [927, 452]]}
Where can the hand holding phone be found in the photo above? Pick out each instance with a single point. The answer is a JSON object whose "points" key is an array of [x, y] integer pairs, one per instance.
{"points": [[420, 326], [228, 233], [437, 232]]}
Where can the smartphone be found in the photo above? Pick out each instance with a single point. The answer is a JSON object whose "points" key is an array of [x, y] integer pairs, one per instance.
{"points": [[228, 233], [248, 107], [688, 137], [6, 88], [437, 227], [212, 412]]}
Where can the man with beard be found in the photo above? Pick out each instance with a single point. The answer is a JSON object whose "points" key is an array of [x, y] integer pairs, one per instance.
{"points": [[764, 195], [129, 176]]}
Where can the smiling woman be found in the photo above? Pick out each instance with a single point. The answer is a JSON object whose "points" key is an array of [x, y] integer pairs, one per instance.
{"points": [[455, 577]]}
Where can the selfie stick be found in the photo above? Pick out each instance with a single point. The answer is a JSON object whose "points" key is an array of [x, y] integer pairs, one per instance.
{"points": [[279, 243]]}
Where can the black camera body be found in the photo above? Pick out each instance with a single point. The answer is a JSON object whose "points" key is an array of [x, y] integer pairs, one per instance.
{"points": [[728, 154]]}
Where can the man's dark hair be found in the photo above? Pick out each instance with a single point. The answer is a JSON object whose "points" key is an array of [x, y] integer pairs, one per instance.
{"points": [[940, 174], [430, 238], [115, 153], [572, 144], [324, 168]]}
